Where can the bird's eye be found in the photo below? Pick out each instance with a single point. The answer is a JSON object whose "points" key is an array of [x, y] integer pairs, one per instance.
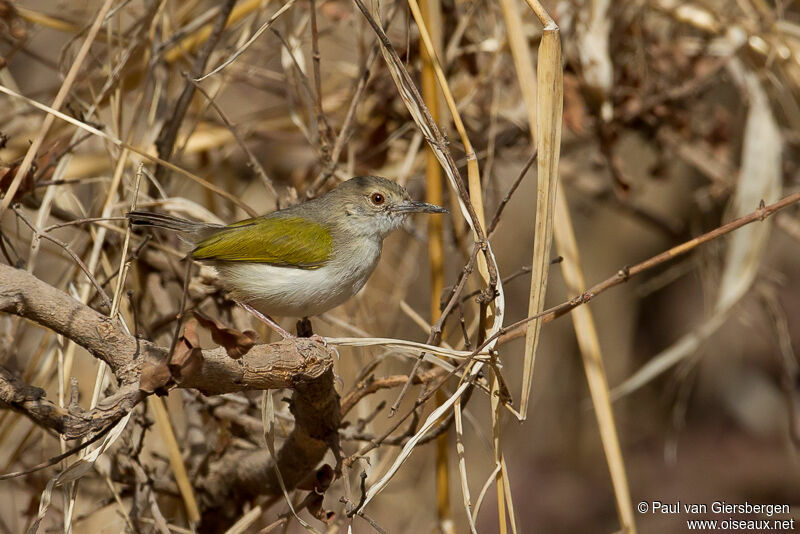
{"points": [[377, 199]]}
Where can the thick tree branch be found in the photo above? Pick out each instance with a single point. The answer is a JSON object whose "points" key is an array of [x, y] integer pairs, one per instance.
{"points": [[241, 475], [278, 365], [300, 364], [70, 422], [25, 295], [286, 364]]}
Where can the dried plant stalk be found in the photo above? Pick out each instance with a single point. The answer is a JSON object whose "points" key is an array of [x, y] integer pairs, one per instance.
{"points": [[419, 112], [473, 174], [589, 345], [175, 458], [550, 99], [141, 152], [433, 180], [58, 101]]}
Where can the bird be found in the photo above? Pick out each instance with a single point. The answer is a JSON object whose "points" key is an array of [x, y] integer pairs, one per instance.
{"points": [[303, 260]]}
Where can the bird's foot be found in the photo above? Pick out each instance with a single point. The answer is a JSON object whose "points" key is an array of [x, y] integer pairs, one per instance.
{"points": [[304, 330], [266, 319]]}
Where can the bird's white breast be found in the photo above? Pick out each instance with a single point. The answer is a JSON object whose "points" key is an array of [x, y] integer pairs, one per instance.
{"points": [[301, 292]]}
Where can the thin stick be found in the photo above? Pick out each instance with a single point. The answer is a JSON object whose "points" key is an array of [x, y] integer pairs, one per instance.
{"points": [[56, 459], [68, 250], [184, 296], [322, 123], [502, 206], [623, 275], [254, 163], [241, 50], [437, 328], [120, 143], [344, 132], [58, 101], [169, 133]]}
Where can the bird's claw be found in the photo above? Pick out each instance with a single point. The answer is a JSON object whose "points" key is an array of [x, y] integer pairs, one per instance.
{"points": [[320, 339]]}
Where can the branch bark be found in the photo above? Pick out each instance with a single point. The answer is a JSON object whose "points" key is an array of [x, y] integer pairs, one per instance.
{"points": [[304, 365], [241, 475], [284, 364], [70, 422]]}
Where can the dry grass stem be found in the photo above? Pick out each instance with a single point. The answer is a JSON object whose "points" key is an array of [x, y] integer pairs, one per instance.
{"points": [[589, 343]]}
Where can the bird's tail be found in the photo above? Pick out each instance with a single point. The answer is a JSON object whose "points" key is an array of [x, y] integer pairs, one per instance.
{"points": [[189, 230]]}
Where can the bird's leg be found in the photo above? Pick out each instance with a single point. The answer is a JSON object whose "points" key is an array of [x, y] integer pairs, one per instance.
{"points": [[267, 320], [304, 328]]}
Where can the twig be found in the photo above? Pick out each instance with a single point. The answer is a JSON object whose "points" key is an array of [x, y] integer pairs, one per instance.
{"points": [[510, 278], [82, 221], [58, 101], [368, 387], [323, 127], [500, 207], [371, 522], [141, 152], [68, 250], [363, 487], [169, 132], [57, 157], [436, 329], [421, 400], [344, 132], [254, 163], [264, 27], [56, 459], [401, 440], [623, 275]]}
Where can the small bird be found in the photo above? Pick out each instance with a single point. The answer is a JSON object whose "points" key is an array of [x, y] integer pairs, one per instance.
{"points": [[303, 260]]}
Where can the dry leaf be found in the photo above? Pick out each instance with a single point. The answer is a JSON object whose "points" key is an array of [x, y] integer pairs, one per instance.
{"points": [[236, 343], [154, 378], [315, 508], [318, 481], [187, 357]]}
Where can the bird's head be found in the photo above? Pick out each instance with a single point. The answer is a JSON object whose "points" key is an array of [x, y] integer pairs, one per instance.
{"points": [[375, 205]]}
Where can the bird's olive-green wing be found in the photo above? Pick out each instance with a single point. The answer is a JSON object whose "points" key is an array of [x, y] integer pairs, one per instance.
{"points": [[283, 241]]}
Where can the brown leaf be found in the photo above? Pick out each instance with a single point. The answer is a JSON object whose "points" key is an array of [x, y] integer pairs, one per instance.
{"points": [[7, 175], [236, 343], [318, 481], [154, 377], [187, 357], [315, 508]]}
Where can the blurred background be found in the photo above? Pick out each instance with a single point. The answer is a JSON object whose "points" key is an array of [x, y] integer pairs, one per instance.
{"points": [[678, 117]]}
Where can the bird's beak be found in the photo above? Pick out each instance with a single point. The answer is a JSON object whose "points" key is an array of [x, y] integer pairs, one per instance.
{"points": [[415, 206]]}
